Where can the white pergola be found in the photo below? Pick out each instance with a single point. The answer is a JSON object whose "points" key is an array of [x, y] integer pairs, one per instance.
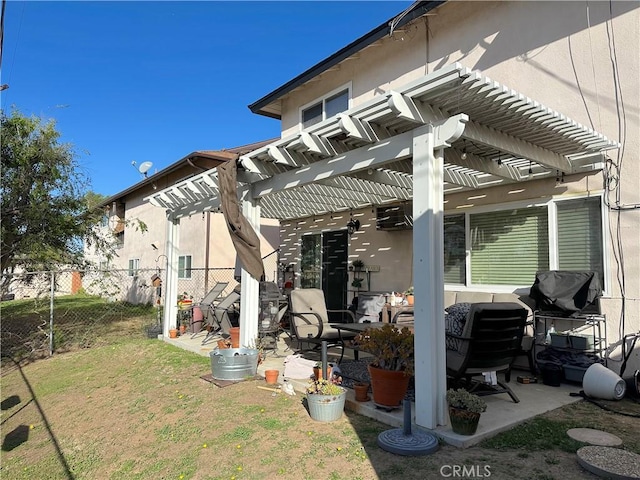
{"points": [[451, 130]]}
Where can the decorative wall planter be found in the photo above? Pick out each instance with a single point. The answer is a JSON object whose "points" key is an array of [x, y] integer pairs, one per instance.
{"points": [[326, 408]]}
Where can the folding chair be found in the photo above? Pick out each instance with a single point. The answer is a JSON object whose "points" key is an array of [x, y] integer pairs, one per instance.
{"points": [[219, 318], [207, 303]]}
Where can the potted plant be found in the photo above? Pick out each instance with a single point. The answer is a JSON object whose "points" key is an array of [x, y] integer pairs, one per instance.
{"points": [[464, 410], [393, 362], [408, 294], [317, 371], [356, 283], [325, 399], [357, 265]]}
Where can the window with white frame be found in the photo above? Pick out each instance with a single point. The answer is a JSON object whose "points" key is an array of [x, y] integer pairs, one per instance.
{"points": [[134, 266], [184, 266], [508, 246], [326, 107]]}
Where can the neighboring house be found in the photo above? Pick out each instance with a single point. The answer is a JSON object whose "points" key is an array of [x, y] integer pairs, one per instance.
{"points": [[204, 243], [476, 143]]}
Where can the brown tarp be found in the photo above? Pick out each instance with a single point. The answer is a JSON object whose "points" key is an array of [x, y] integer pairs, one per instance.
{"points": [[244, 238]]}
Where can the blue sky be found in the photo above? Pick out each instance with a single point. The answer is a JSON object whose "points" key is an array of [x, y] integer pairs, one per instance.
{"points": [[154, 81]]}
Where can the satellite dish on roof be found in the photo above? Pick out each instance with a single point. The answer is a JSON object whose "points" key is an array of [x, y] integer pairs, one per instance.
{"points": [[143, 168]]}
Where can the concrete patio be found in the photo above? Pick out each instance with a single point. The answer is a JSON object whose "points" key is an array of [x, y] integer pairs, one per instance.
{"points": [[502, 413]]}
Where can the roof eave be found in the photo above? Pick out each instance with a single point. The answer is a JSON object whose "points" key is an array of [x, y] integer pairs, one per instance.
{"points": [[418, 9]]}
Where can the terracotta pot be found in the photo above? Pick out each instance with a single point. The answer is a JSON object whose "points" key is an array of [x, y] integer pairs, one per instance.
{"points": [[222, 344], [362, 392], [235, 337], [173, 333], [198, 320], [271, 376], [410, 299], [389, 386], [183, 329], [317, 372]]}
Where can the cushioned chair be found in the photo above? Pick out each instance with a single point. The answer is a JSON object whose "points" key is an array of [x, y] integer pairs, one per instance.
{"points": [[310, 320], [490, 341]]}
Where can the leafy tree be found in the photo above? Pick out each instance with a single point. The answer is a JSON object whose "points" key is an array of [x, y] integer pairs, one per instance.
{"points": [[46, 211]]}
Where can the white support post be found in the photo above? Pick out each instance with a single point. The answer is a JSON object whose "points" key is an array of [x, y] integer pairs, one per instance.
{"points": [[428, 267], [249, 308], [171, 283]]}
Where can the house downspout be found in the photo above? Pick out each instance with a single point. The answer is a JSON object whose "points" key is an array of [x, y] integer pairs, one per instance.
{"points": [[206, 252]]}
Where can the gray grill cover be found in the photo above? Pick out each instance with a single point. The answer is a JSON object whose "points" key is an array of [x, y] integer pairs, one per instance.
{"points": [[566, 291]]}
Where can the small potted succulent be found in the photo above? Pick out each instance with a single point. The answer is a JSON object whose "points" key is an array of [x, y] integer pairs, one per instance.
{"points": [[464, 410], [408, 294]]}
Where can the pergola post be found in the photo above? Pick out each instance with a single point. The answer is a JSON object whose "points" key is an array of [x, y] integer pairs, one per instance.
{"points": [[249, 308], [171, 281], [428, 267]]}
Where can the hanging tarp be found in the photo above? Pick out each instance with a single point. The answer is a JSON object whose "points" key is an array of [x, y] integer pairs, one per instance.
{"points": [[244, 238]]}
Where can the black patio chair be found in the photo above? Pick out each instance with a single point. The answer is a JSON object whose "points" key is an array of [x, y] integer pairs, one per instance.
{"points": [[490, 341], [222, 316]]}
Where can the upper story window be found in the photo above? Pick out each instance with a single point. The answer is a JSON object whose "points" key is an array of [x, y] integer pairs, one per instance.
{"points": [[134, 266], [326, 107], [184, 266]]}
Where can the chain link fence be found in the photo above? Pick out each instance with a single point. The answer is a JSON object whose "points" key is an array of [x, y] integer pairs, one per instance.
{"points": [[58, 311]]}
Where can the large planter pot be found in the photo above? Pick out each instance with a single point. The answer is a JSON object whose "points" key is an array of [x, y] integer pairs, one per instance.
{"points": [[463, 422], [326, 408], [197, 320], [389, 387]]}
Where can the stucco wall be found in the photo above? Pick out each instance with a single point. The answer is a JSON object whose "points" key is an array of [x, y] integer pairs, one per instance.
{"points": [[578, 58]]}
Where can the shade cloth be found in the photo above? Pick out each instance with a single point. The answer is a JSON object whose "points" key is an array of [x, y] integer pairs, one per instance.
{"points": [[244, 238]]}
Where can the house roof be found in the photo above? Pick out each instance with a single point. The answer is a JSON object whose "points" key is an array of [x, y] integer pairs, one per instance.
{"points": [[199, 161], [269, 105], [363, 156]]}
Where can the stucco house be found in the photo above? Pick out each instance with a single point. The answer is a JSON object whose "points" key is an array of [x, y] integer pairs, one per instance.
{"points": [[476, 143], [206, 253]]}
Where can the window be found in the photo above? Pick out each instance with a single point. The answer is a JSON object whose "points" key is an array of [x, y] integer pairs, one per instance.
{"points": [[508, 246], [104, 221], [184, 266], [327, 107], [311, 263], [454, 250], [134, 266], [580, 235]]}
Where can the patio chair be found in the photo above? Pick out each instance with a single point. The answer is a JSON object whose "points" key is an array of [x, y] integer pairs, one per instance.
{"points": [[310, 320], [207, 303], [219, 319], [490, 342]]}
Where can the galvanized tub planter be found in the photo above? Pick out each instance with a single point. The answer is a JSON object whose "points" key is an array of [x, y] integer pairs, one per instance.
{"points": [[326, 408], [234, 363]]}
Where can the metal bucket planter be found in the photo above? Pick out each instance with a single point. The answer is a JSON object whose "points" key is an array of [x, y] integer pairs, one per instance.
{"points": [[326, 408], [234, 363]]}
